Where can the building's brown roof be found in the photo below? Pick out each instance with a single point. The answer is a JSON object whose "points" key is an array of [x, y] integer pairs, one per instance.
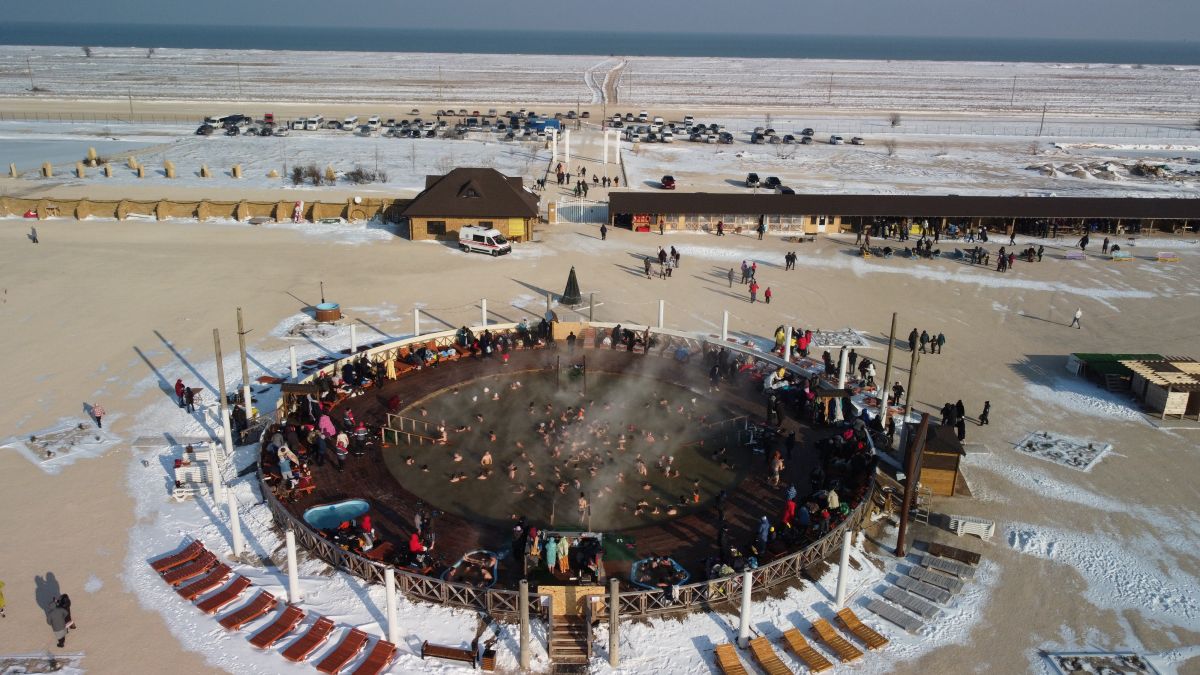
{"points": [[919, 206], [473, 192]]}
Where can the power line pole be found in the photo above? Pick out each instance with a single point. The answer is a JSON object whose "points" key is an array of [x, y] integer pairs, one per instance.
{"points": [[1043, 124], [916, 448], [1013, 98], [246, 400], [829, 94], [29, 69]]}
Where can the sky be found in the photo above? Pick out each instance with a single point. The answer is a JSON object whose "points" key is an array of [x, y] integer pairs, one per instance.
{"points": [[1167, 20]]}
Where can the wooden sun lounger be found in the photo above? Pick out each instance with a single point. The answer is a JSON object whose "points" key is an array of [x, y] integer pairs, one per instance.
{"points": [[923, 589], [953, 553], [210, 581], [195, 568], [378, 659], [1166, 256], [728, 661], [952, 584], [285, 623], [903, 619], [812, 658], [845, 651], [919, 606], [860, 630], [260, 605], [948, 566], [213, 603], [349, 648], [1075, 255], [314, 637], [188, 554], [766, 657]]}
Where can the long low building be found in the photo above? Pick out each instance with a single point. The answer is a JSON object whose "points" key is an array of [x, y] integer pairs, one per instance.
{"points": [[817, 213]]}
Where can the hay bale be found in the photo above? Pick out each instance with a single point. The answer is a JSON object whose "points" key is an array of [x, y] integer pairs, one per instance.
{"points": [[204, 172], [272, 174], [79, 170], [169, 168], [141, 171], [330, 175], [133, 163], [108, 170], [47, 170], [92, 154], [237, 170], [12, 171]]}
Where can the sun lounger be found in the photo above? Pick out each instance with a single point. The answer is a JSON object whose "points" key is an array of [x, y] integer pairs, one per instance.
{"points": [[951, 584], [314, 637], [1121, 256], [188, 554], [191, 570], [1166, 256], [378, 659], [901, 619], [260, 605], [1075, 255], [980, 527], [208, 582], [349, 648], [959, 554], [845, 651], [919, 606], [923, 589], [728, 661], [460, 654], [285, 623], [213, 603], [813, 659], [860, 630], [954, 567], [766, 657]]}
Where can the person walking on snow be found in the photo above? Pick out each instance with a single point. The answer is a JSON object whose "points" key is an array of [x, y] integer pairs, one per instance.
{"points": [[98, 414], [1078, 316], [940, 341], [767, 295], [753, 291], [924, 341], [57, 618], [179, 391], [603, 232], [912, 340], [983, 416], [730, 275], [1083, 242]]}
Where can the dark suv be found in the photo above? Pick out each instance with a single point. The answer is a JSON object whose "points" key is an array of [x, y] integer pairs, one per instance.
{"points": [[668, 182], [751, 180], [772, 182]]}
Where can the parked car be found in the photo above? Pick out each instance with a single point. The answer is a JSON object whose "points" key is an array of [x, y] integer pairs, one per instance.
{"points": [[857, 140], [630, 118], [232, 130], [789, 139], [668, 182], [414, 111], [752, 180], [836, 140], [688, 120], [784, 190], [252, 131], [806, 140], [585, 114], [373, 122], [769, 132], [643, 116], [807, 132], [617, 125], [462, 112], [725, 137], [772, 182], [281, 130], [757, 139], [390, 123], [667, 137], [774, 140], [205, 130]]}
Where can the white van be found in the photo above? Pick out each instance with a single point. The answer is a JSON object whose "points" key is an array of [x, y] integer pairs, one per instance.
{"points": [[643, 116], [483, 239], [316, 122], [350, 122], [373, 122]]}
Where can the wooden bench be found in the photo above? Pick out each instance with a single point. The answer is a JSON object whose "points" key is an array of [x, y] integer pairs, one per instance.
{"points": [[283, 624], [260, 605], [378, 659], [764, 654], [349, 648], [845, 651], [215, 578], [954, 567], [1075, 255], [813, 659], [728, 661], [1166, 256], [919, 606], [959, 554], [1121, 256], [923, 589], [980, 527], [190, 570], [951, 584], [314, 637], [860, 630], [461, 654], [213, 603], [901, 619], [188, 554]]}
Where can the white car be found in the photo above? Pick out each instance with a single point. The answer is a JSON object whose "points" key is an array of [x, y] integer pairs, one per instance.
{"points": [[483, 240], [836, 140], [350, 122]]}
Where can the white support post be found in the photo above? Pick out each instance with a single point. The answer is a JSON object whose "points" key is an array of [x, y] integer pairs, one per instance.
{"points": [[389, 583], [662, 307], [553, 146], [235, 525], [292, 357], [605, 161], [483, 312], [214, 474], [567, 149], [353, 339], [227, 429], [787, 344], [523, 615], [416, 322], [843, 569], [293, 575], [744, 621], [248, 401], [725, 326], [845, 355]]}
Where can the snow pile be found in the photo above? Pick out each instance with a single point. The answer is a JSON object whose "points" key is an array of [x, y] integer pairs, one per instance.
{"points": [[1128, 574], [1082, 397], [63, 443], [1069, 452]]}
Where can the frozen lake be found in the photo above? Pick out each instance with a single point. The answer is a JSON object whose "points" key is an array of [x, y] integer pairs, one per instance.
{"points": [[28, 154]]}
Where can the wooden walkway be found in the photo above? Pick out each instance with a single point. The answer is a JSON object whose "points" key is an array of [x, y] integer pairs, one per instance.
{"points": [[689, 538]]}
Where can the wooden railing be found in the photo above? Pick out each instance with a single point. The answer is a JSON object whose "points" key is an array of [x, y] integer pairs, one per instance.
{"points": [[502, 603]]}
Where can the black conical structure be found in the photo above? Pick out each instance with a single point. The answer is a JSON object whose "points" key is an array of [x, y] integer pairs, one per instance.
{"points": [[571, 295]]}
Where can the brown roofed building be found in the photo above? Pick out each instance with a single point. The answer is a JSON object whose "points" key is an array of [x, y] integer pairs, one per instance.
{"points": [[472, 196]]}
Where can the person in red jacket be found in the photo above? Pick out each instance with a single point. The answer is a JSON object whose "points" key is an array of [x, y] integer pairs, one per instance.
{"points": [[753, 290], [789, 512], [180, 390], [767, 295]]}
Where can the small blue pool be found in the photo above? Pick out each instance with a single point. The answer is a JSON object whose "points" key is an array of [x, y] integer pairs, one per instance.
{"points": [[329, 516]]}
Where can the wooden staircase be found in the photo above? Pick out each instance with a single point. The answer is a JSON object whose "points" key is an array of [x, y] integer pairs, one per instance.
{"points": [[569, 637]]}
